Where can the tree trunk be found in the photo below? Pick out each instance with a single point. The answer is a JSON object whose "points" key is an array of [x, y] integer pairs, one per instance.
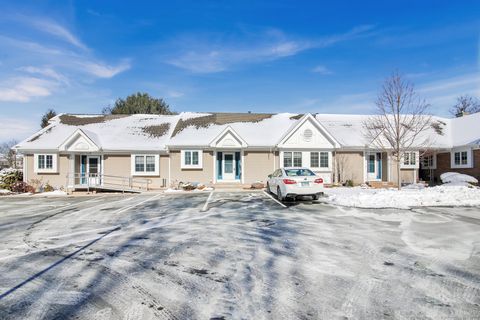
{"points": [[399, 184]]}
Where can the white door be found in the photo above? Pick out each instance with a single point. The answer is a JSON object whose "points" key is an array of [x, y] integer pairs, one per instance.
{"points": [[228, 166], [93, 170]]}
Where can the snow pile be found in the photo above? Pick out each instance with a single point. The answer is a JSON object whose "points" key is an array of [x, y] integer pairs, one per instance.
{"points": [[4, 192], [55, 193], [457, 179], [444, 195]]}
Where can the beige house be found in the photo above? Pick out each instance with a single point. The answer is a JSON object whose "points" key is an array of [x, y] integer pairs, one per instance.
{"points": [[123, 152]]}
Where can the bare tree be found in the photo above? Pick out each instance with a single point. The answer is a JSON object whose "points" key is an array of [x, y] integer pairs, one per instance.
{"points": [[8, 153], [401, 121], [465, 105]]}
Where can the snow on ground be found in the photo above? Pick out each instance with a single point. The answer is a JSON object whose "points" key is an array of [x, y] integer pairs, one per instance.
{"points": [[244, 257], [443, 195], [457, 179], [5, 191], [55, 193]]}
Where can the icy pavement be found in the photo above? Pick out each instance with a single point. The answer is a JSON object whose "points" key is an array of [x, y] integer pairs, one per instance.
{"points": [[241, 255]]}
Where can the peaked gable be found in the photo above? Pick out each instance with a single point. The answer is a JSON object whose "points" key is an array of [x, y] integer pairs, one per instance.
{"points": [[228, 138], [79, 141], [308, 133]]}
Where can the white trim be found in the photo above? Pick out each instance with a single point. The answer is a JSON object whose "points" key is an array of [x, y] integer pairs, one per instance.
{"points": [[230, 130], [169, 173], [25, 169], [67, 144], [416, 165], [319, 126], [191, 166], [469, 163], [145, 173], [242, 168], [54, 168], [214, 167], [434, 161]]}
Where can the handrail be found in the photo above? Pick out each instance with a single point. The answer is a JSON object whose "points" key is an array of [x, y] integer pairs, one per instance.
{"points": [[125, 182]]}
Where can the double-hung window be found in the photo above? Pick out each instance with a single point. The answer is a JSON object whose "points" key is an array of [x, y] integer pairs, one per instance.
{"points": [[287, 159], [45, 163], [145, 164], [410, 160], [191, 159], [462, 159], [292, 159], [319, 160]]}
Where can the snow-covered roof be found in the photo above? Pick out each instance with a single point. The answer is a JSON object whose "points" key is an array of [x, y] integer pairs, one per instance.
{"points": [[158, 132], [108, 132]]}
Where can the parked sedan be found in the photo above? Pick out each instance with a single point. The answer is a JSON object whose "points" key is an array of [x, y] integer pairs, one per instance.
{"points": [[295, 182]]}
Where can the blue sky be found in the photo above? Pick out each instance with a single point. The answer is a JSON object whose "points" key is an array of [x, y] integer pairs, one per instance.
{"points": [[262, 56]]}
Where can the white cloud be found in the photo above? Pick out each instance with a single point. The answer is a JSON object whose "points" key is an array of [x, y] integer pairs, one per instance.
{"points": [[322, 70], [101, 70], [44, 71], [23, 89], [209, 57], [175, 94], [57, 30]]}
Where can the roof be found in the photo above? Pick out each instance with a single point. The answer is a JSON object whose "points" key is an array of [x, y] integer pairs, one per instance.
{"points": [[157, 132]]}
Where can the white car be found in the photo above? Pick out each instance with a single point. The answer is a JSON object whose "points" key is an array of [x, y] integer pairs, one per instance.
{"points": [[294, 182]]}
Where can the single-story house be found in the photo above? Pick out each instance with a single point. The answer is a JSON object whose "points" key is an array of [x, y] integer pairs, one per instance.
{"points": [[158, 151]]}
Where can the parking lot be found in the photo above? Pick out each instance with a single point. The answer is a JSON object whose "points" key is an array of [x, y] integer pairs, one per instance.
{"points": [[226, 255]]}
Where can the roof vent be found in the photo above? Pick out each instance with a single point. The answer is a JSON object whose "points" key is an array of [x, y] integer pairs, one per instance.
{"points": [[307, 135]]}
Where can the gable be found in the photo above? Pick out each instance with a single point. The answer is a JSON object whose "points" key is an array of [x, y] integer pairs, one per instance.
{"points": [[78, 141], [307, 135], [228, 139]]}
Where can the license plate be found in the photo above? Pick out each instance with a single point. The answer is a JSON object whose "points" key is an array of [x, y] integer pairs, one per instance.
{"points": [[305, 184]]}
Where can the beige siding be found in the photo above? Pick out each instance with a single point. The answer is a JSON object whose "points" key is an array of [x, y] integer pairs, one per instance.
{"points": [[204, 175], [349, 166], [258, 165], [56, 180], [406, 175]]}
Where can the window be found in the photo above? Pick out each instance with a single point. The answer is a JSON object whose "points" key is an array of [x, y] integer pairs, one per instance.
{"points": [[191, 159], [297, 159], [287, 159], [145, 165], [45, 163], [371, 163], [462, 159], [299, 173], [428, 161], [410, 160], [314, 160], [319, 159]]}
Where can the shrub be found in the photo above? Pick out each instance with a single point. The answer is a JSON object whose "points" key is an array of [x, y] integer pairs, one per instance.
{"points": [[349, 183], [47, 188], [22, 187], [8, 177]]}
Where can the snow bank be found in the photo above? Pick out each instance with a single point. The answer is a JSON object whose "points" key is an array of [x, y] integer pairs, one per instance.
{"points": [[55, 193], [458, 179], [444, 195], [5, 191]]}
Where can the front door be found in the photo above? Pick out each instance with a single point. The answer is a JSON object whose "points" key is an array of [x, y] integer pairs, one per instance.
{"points": [[374, 166], [93, 170], [228, 166]]}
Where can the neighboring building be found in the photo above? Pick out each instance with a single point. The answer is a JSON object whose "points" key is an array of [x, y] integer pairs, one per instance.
{"points": [[212, 148]]}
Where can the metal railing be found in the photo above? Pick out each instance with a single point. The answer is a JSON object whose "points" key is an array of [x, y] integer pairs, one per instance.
{"points": [[104, 181]]}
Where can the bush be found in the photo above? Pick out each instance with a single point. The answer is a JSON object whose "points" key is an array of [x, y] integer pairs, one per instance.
{"points": [[47, 188], [22, 187], [349, 183], [8, 177]]}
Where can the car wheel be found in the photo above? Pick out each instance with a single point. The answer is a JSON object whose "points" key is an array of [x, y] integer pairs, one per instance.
{"points": [[279, 194], [315, 197]]}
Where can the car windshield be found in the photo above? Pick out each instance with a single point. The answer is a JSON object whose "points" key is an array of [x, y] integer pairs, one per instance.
{"points": [[299, 173]]}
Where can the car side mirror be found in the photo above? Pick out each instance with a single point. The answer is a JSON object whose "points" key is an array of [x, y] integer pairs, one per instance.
{"points": [[270, 176]]}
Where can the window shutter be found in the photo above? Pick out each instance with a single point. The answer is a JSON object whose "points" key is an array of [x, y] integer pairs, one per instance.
{"points": [[219, 165], [238, 165]]}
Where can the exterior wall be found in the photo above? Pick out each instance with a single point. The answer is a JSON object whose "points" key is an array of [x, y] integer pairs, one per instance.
{"points": [[406, 175], [203, 175], [56, 180], [258, 165], [349, 166], [444, 165], [385, 166]]}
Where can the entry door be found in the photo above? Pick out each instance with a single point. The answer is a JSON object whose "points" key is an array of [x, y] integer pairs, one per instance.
{"points": [[228, 166], [374, 166], [93, 170]]}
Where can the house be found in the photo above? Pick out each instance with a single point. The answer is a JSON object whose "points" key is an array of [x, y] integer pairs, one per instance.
{"points": [[157, 151]]}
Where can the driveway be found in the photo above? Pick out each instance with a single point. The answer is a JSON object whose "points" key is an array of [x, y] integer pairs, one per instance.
{"points": [[234, 255]]}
